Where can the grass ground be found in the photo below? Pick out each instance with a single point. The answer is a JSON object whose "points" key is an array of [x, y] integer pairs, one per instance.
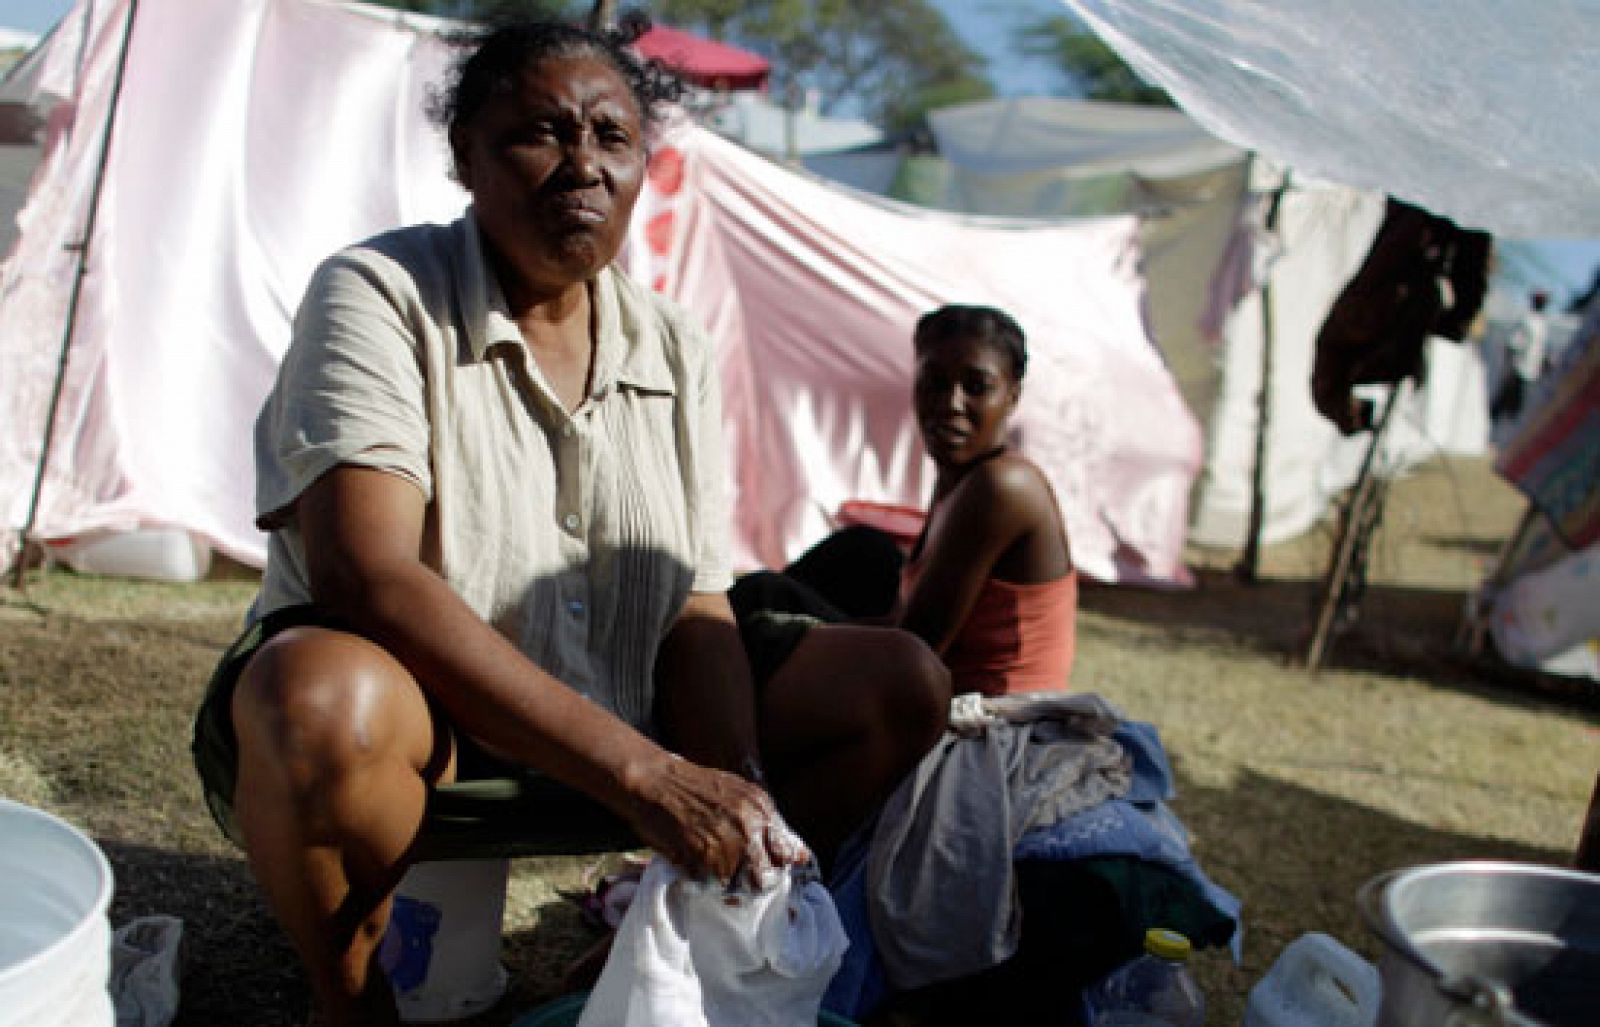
{"points": [[1298, 787]]}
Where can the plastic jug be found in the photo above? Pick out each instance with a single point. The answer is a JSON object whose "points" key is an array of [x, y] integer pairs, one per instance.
{"points": [[1154, 990], [1316, 982], [442, 950]]}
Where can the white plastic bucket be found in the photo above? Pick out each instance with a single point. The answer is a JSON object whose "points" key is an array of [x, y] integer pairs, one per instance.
{"points": [[157, 554], [1316, 982], [55, 942], [442, 949]]}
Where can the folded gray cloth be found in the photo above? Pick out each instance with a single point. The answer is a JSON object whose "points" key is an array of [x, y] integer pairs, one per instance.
{"points": [[943, 898]]}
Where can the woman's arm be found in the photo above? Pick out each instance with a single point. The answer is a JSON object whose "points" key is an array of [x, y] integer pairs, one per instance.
{"points": [[363, 532], [992, 509]]}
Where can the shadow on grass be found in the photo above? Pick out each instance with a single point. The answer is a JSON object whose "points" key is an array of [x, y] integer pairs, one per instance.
{"points": [[1294, 856], [237, 965], [1397, 630], [239, 969], [1469, 544], [1298, 858]]}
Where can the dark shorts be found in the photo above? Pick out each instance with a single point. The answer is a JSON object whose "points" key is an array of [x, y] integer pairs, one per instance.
{"points": [[493, 808]]}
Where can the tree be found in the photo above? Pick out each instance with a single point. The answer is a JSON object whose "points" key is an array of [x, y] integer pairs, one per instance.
{"points": [[895, 59], [1091, 69]]}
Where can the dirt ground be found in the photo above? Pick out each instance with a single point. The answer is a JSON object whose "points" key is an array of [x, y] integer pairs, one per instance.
{"points": [[1298, 788]]}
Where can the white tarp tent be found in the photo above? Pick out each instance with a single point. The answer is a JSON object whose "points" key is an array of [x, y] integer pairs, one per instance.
{"points": [[17, 39], [1204, 258], [253, 138]]}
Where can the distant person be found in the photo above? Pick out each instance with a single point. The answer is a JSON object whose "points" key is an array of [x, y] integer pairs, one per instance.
{"points": [[989, 583], [1527, 356]]}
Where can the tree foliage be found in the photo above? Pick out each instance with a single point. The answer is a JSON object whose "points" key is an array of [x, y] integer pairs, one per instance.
{"points": [[894, 59], [1091, 69]]}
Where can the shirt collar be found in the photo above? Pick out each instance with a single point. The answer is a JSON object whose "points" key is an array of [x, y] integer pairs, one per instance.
{"points": [[487, 316], [628, 344]]}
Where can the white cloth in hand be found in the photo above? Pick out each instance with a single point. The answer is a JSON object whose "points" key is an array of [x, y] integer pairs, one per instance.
{"points": [[696, 953]]}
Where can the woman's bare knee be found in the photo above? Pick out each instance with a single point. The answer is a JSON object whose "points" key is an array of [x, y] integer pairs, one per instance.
{"points": [[917, 693], [318, 704]]}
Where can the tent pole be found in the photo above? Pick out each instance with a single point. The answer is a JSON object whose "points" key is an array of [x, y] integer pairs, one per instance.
{"points": [[1360, 520], [603, 15], [82, 249], [1249, 563]]}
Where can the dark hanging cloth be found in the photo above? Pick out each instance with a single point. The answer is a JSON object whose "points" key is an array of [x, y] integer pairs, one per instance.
{"points": [[1423, 276]]}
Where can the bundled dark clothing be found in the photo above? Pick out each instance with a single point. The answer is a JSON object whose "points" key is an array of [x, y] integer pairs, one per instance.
{"points": [[1423, 276]]}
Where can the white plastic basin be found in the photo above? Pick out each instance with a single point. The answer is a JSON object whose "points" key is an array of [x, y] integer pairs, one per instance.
{"points": [[55, 942]]}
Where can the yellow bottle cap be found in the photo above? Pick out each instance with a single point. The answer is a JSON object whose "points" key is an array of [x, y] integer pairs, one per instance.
{"points": [[1158, 941]]}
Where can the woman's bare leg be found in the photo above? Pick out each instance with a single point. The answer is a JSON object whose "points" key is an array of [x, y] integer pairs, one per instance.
{"points": [[336, 746], [844, 720]]}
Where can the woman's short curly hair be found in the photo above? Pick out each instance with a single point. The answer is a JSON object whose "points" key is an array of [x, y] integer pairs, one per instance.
{"points": [[497, 54], [988, 325]]}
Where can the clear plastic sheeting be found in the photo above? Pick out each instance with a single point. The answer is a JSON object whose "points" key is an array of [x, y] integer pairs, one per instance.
{"points": [[1480, 110]]}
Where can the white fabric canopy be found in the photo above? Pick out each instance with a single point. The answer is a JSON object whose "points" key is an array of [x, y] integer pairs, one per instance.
{"points": [[1205, 257], [1079, 138], [253, 138], [1480, 110], [757, 122]]}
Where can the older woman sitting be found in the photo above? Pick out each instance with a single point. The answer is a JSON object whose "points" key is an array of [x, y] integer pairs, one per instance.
{"points": [[492, 472]]}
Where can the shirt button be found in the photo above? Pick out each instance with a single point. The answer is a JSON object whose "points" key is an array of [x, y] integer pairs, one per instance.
{"points": [[570, 521], [566, 430]]}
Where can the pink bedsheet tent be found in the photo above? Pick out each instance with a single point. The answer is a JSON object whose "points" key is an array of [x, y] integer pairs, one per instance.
{"points": [[813, 291], [224, 187]]}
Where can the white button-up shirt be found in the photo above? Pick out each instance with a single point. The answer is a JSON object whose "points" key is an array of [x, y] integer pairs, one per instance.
{"points": [[579, 536]]}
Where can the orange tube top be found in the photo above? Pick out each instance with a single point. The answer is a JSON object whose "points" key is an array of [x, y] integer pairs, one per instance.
{"points": [[1018, 638]]}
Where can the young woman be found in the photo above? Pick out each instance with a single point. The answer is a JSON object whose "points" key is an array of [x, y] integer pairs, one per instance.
{"points": [[989, 584]]}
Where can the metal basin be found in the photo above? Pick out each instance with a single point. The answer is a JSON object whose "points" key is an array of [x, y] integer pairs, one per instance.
{"points": [[1487, 943]]}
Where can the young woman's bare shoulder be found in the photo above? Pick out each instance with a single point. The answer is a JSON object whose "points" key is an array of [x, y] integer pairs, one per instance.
{"points": [[1010, 475], [1003, 489]]}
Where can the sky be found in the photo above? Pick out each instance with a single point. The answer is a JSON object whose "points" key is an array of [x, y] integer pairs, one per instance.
{"points": [[989, 27], [33, 15]]}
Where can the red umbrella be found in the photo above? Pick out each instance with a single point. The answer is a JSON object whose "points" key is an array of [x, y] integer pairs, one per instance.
{"points": [[704, 62]]}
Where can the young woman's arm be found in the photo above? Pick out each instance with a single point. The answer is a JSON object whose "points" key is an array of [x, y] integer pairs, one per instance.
{"points": [[992, 509]]}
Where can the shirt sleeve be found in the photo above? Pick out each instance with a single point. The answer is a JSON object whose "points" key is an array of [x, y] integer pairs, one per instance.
{"points": [[350, 390], [713, 499]]}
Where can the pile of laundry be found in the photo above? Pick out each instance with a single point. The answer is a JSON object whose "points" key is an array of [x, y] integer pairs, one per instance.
{"points": [[1024, 858]]}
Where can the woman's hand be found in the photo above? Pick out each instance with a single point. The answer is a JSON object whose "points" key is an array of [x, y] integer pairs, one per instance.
{"points": [[711, 823]]}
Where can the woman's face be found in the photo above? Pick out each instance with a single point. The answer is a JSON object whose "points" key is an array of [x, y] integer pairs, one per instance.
{"points": [[554, 165], [964, 395]]}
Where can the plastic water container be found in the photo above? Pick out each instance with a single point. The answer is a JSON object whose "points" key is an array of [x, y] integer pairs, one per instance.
{"points": [[55, 942], [1316, 982], [1154, 990], [442, 949], [156, 554]]}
